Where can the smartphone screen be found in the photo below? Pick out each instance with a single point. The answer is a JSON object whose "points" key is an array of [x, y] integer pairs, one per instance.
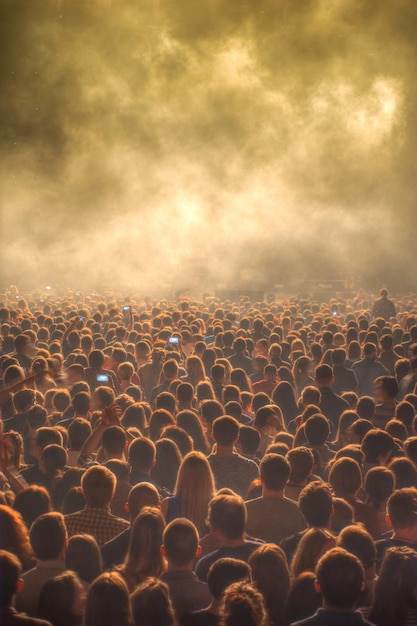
{"points": [[102, 378]]}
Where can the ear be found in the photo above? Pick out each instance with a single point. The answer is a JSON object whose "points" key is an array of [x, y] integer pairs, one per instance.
{"points": [[198, 552], [20, 585], [163, 551], [363, 586], [317, 586], [127, 508], [388, 520]]}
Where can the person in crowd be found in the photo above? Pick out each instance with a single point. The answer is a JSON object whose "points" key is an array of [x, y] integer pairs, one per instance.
{"points": [[180, 548], [402, 518], [83, 557], [108, 602], [62, 600], [386, 391], [98, 486], [229, 468], [356, 540], [301, 460], [273, 516], [227, 520], [48, 538], [379, 486], [271, 576], [243, 605], [344, 378], [331, 405], [340, 580], [11, 583], [383, 307], [151, 604], [312, 545], [368, 369]]}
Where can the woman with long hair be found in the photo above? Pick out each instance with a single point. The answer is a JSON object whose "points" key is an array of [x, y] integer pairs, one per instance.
{"points": [[396, 589], [108, 602], [228, 370], [379, 485], [191, 423], [194, 489], [315, 543], [144, 558], [62, 600], [195, 370], [151, 604], [14, 536], [302, 373], [240, 378], [343, 430], [43, 380], [284, 397], [271, 577], [83, 557], [168, 461]]}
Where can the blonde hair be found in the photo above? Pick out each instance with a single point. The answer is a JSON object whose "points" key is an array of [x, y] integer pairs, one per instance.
{"points": [[195, 370], [228, 369], [144, 557], [195, 487], [310, 549]]}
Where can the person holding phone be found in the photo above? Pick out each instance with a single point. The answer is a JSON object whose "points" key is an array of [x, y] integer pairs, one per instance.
{"points": [[97, 376]]}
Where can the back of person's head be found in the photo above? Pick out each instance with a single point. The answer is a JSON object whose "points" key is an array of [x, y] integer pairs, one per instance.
{"points": [[271, 577], [59, 599], [81, 403], [180, 541], [317, 429], [48, 535], [141, 454], [323, 374], [224, 572], [303, 599], [170, 369], [114, 440], [227, 513], [365, 407], [310, 395], [37, 417], [379, 485], [274, 472], [96, 359], [404, 471], [402, 508], [249, 440], [338, 356], [140, 496], [360, 428], [98, 484], [61, 400], [405, 412], [151, 604], [23, 400], [410, 448], [53, 459], [160, 419], [377, 445], [357, 541], [108, 602], [340, 577], [301, 461], [166, 400], [315, 502], [345, 477], [226, 431], [10, 573], [83, 557], [387, 384], [342, 515], [243, 606], [78, 432], [32, 502]]}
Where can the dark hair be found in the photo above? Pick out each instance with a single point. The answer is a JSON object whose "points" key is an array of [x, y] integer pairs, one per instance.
{"points": [[32, 502], [78, 432], [56, 600], [227, 513], [249, 440], [402, 508], [10, 572], [243, 606], [394, 591], [47, 536], [271, 577], [379, 485], [225, 430], [159, 420], [83, 556], [389, 384], [180, 541], [356, 540], [98, 485], [223, 573], [81, 403], [345, 477], [274, 472], [113, 440], [377, 443], [141, 454], [303, 599], [108, 602], [315, 502], [151, 604], [341, 577], [405, 473], [317, 429]]}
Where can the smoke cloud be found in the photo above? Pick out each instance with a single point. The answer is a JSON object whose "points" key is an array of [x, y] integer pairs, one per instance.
{"points": [[179, 144]]}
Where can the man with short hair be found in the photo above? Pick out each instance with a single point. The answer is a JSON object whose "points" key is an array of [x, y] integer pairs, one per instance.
{"points": [[221, 575], [180, 548], [98, 485], [268, 382], [12, 583], [344, 378], [229, 468], [239, 360], [48, 538], [301, 460], [316, 505], [409, 382], [383, 307], [340, 579], [331, 405], [169, 373], [368, 369], [402, 517], [227, 520], [272, 517], [386, 391]]}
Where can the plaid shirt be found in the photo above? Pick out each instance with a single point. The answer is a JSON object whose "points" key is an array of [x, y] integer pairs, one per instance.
{"points": [[99, 523]]}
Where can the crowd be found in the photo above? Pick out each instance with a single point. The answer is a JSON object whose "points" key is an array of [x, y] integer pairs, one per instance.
{"points": [[192, 463]]}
